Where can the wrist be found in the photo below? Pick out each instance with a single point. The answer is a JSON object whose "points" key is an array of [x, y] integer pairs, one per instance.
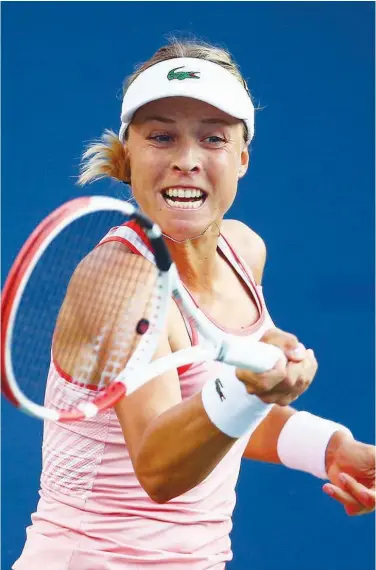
{"points": [[303, 443], [229, 406], [333, 446]]}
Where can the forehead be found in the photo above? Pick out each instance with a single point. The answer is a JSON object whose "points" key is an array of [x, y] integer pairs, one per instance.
{"points": [[173, 109]]}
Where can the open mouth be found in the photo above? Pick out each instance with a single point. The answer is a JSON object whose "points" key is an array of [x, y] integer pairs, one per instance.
{"points": [[185, 198]]}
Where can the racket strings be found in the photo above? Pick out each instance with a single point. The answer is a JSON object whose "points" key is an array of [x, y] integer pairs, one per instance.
{"points": [[121, 298], [110, 305], [120, 326]]}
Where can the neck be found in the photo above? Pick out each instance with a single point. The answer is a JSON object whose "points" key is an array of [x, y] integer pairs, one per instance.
{"points": [[196, 259]]}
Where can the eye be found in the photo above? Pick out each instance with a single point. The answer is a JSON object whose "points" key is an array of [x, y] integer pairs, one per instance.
{"points": [[214, 139], [161, 138]]}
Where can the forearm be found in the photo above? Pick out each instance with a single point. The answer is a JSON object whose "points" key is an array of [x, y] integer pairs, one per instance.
{"points": [[179, 449], [262, 445], [310, 445]]}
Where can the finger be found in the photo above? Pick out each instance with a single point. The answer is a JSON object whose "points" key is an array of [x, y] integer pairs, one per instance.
{"points": [[285, 341], [261, 383], [282, 397], [296, 354], [279, 337], [283, 393], [311, 358], [302, 373], [283, 384], [351, 506], [342, 497], [356, 511], [298, 378], [366, 497]]}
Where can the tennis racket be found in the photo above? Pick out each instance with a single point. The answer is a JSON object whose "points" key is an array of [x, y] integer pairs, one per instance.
{"points": [[127, 297]]}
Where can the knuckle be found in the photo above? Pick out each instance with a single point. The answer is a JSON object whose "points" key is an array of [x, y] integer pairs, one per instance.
{"points": [[284, 401], [288, 383], [241, 374], [268, 398], [279, 337], [270, 333], [303, 385], [313, 360], [292, 338], [310, 379], [263, 385]]}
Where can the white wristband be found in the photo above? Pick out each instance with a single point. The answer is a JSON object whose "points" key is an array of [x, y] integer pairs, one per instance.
{"points": [[229, 406], [303, 441]]}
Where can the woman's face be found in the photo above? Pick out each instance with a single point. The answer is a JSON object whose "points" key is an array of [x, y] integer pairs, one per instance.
{"points": [[186, 147]]}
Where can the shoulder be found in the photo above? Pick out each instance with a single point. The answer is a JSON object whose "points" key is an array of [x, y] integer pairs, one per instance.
{"points": [[109, 271], [102, 260], [248, 244]]}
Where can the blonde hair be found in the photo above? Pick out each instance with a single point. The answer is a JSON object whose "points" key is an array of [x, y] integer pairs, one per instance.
{"points": [[107, 157]]}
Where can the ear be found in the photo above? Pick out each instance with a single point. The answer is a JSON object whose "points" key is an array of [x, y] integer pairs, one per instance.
{"points": [[244, 161]]}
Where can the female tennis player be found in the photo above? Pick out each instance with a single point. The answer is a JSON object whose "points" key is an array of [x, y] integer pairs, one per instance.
{"points": [[152, 484]]}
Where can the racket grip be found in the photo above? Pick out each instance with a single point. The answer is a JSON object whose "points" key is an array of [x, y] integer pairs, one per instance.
{"points": [[256, 356]]}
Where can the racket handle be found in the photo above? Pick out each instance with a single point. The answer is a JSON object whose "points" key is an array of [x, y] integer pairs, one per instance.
{"points": [[256, 356]]}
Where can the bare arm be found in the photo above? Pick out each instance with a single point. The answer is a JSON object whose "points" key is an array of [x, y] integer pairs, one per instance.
{"points": [[173, 444], [262, 445]]}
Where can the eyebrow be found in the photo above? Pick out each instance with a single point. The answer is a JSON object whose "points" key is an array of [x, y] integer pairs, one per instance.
{"points": [[209, 121], [158, 118]]}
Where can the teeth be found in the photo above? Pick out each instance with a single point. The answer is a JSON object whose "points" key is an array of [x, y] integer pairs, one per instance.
{"points": [[183, 193], [184, 205]]}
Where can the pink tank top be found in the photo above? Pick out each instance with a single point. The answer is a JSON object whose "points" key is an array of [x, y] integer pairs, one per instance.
{"points": [[94, 515]]}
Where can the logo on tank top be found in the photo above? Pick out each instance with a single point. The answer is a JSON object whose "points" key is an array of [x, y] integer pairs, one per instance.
{"points": [[180, 75], [218, 387]]}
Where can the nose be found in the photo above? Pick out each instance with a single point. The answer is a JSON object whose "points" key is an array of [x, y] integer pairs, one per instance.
{"points": [[186, 159]]}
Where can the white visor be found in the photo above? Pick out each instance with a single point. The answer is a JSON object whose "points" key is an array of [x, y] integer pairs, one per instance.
{"points": [[189, 77]]}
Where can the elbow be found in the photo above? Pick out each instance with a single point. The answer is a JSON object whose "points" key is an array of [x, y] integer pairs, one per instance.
{"points": [[159, 491], [155, 480]]}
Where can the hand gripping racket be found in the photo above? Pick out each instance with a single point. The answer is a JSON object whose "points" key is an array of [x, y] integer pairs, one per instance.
{"points": [[53, 291]]}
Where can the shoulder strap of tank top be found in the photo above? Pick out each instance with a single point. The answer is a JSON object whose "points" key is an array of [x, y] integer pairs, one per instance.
{"points": [[235, 259], [240, 266], [133, 237]]}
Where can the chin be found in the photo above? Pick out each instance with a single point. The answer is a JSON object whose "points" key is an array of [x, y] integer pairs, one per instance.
{"points": [[183, 230]]}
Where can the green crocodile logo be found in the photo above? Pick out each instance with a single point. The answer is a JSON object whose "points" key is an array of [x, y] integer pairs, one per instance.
{"points": [[175, 74]]}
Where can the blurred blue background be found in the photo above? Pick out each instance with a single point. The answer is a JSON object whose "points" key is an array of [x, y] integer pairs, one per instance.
{"points": [[309, 193]]}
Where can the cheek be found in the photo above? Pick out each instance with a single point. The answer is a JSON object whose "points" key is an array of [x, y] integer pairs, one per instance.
{"points": [[146, 170], [226, 163], [224, 173]]}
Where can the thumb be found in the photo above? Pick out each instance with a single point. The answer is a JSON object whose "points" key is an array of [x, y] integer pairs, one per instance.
{"points": [[293, 349], [296, 354]]}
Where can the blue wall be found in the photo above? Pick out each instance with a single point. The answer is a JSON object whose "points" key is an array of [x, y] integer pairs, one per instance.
{"points": [[309, 193]]}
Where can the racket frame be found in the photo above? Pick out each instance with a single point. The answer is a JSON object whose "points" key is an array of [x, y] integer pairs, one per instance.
{"points": [[24, 265], [219, 346]]}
